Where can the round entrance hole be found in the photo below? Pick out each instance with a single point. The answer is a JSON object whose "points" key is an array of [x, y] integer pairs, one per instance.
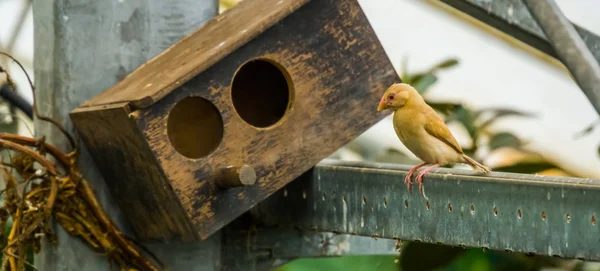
{"points": [[195, 127], [261, 92]]}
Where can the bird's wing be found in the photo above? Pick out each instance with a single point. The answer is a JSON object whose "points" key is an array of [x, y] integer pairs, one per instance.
{"points": [[436, 127]]}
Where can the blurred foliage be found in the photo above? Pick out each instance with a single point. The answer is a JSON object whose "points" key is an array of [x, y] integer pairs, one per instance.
{"points": [[354, 263], [446, 258], [7, 229], [588, 130], [431, 257], [504, 139], [417, 256]]}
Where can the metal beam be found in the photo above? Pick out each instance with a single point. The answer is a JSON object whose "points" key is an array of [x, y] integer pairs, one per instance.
{"points": [[513, 18], [553, 216], [569, 46], [268, 248], [556, 36]]}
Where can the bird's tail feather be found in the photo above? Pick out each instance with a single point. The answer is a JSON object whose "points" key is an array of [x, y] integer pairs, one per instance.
{"points": [[475, 164]]}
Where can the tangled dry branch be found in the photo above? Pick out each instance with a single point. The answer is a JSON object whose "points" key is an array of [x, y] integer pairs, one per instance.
{"points": [[38, 190]]}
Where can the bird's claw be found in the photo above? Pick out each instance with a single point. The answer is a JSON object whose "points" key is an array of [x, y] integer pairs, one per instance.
{"points": [[408, 182], [409, 174], [419, 178], [420, 182]]}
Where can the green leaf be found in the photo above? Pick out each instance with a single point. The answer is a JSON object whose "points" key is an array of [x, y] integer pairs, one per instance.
{"points": [[504, 139], [465, 117], [30, 259], [443, 108], [598, 150], [422, 82], [444, 65], [498, 113], [472, 260], [405, 77], [358, 263], [417, 256], [526, 168], [477, 260], [587, 130]]}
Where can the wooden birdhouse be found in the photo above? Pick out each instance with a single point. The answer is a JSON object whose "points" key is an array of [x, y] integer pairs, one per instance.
{"points": [[234, 111]]}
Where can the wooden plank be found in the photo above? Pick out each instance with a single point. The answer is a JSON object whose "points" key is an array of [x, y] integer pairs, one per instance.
{"points": [[196, 52]]}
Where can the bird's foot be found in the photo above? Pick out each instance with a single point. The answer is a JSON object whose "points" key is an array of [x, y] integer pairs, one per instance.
{"points": [[407, 181], [409, 174], [419, 178]]}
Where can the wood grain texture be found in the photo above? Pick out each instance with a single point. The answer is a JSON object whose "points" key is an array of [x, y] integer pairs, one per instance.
{"points": [[196, 52], [130, 171], [338, 70]]}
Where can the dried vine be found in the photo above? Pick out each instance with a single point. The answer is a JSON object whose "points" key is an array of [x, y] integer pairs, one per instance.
{"points": [[42, 190]]}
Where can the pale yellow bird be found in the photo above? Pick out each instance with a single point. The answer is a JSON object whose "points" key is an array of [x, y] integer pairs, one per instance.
{"points": [[423, 132]]}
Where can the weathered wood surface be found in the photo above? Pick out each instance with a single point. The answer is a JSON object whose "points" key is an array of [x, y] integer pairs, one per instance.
{"points": [[338, 70], [138, 184], [196, 52]]}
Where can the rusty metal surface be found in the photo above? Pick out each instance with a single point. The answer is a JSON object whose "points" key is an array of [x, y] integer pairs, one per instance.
{"points": [[553, 216]]}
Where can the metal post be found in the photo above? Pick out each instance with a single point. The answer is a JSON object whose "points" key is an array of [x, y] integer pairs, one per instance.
{"points": [[542, 25], [513, 18], [569, 46], [82, 48]]}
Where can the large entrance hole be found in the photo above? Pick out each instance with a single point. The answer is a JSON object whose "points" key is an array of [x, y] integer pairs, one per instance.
{"points": [[261, 92], [195, 127]]}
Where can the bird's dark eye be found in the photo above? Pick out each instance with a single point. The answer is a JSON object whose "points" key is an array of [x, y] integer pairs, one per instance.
{"points": [[391, 96]]}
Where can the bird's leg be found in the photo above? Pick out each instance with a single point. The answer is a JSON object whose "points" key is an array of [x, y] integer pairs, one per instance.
{"points": [[410, 173], [419, 178]]}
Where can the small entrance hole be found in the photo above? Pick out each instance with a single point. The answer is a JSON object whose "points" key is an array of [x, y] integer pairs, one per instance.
{"points": [[195, 127], [261, 92]]}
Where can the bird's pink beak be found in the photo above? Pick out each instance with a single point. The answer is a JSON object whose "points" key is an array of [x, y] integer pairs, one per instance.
{"points": [[382, 104]]}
